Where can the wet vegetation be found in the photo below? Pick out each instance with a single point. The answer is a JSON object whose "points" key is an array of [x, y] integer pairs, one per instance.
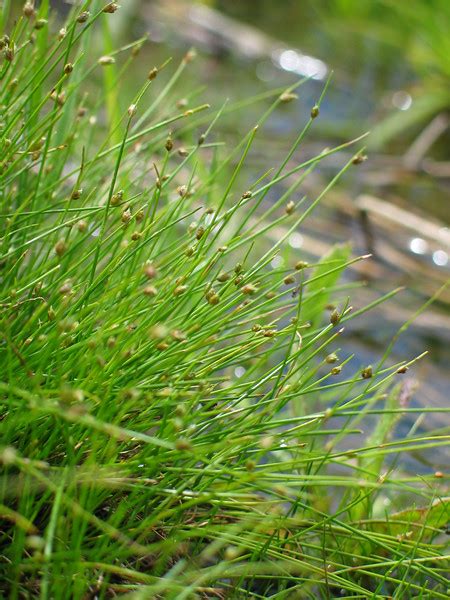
{"points": [[178, 417]]}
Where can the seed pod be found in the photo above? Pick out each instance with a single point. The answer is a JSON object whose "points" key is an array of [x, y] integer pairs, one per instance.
{"points": [[238, 268], [62, 33], [367, 372], [60, 247], [290, 207], [150, 290], [314, 112], [183, 444], [150, 270], [169, 144], [152, 74], [222, 277], [40, 23], [76, 194], [336, 370], [140, 215], [110, 8], [199, 233], [178, 335], [182, 190], [288, 97], [213, 299], [132, 109], [106, 60], [289, 279], [201, 139], [270, 295], [180, 289], [238, 280], [83, 17], [359, 158], [66, 288], [51, 313], [68, 68], [335, 317], [29, 10], [82, 226], [182, 103], [116, 198], [331, 358], [402, 370], [189, 56], [301, 264], [256, 327], [247, 194], [182, 151], [126, 216], [189, 251], [249, 289], [136, 235], [269, 333]]}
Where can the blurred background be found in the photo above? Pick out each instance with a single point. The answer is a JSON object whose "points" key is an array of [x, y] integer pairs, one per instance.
{"points": [[389, 64]]}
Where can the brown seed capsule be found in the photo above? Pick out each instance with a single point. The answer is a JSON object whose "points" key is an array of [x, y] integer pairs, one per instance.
{"points": [[289, 279], [189, 251], [169, 144], [150, 271], [162, 346], [180, 289], [110, 8], [222, 277], [60, 247], [439, 474], [83, 17], [136, 235], [315, 112], [150, 290], [68, 68], [247, 194], [270, 295], [331, 358], [288, 97], [29, 10], [256, 327], [183, 444], [189, 56], [132, 109], [213, 299], [111, 342], [126, 216], [152, 74], [182, 151], [178, 335], [140, 215], [301, 264], [116, 198], [9, 53], [81, 112], [290, 207], [182, 190], [66, 288], [182, 103], [336, 370], [367, 372], [238, 280], [201, 139], [81, 226], [335, 317], [76, 194], [200, 232], [402, 370], [269, 333], [359, 158], [249, 289]]}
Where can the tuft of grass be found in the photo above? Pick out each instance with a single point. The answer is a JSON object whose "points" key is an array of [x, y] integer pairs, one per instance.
{"points": [[177, 420]]}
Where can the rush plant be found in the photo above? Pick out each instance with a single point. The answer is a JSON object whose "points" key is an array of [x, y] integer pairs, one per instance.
{"points": [[177, 420]]}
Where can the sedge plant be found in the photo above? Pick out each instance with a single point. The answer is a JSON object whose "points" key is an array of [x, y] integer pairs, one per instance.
{"points": [[177, 420]]}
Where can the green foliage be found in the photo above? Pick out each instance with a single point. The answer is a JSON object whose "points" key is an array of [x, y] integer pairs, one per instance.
{"points": [[171, 421]]}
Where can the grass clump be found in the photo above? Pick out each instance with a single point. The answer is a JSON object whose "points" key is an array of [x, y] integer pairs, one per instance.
{"points": [[176, 419]]}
